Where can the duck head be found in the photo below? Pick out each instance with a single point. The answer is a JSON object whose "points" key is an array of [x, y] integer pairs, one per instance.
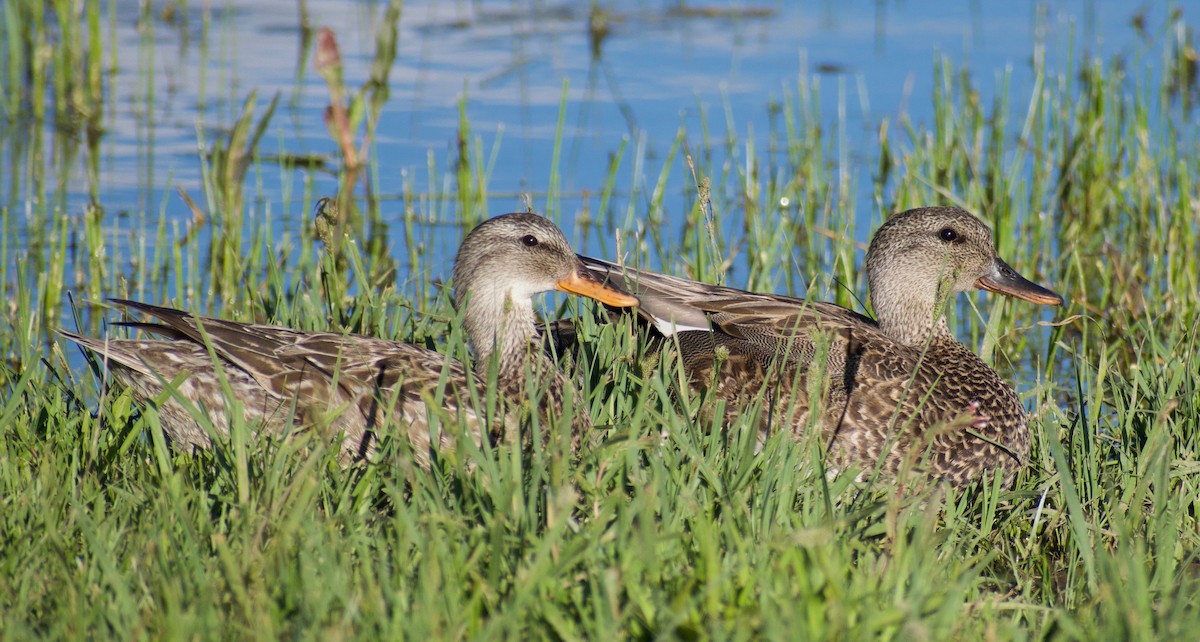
{"points": [[502, 264], [920, 259]]}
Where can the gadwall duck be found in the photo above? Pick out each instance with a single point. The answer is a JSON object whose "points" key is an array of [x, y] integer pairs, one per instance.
{"points": [[356, 385], [896, 393]]}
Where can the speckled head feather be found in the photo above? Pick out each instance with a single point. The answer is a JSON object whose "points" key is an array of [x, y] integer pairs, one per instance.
{"points": [[500, 266], [920, 259]]}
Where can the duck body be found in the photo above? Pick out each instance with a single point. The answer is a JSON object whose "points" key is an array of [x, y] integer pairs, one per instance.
{"points": [[350, 384], [894, 394], [360, 387]]}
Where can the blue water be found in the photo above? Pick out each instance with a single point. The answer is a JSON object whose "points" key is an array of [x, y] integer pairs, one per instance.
{"points": [[508, 63]]}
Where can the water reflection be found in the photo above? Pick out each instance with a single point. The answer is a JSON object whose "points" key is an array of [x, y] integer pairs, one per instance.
{"points": [[622, 74]]}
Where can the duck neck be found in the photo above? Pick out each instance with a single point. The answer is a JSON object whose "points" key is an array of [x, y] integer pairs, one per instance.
{"points": [[908, 312], [501, 325]]}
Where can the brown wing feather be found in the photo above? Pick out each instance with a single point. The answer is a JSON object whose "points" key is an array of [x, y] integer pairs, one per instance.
{"points": [[348, 383]]}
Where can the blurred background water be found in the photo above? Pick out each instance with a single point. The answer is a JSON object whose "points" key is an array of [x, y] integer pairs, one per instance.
{"points": [[621, 79]]}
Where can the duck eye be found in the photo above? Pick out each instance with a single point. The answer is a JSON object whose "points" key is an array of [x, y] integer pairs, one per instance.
{"points": [[529, 240], [948, 235]]}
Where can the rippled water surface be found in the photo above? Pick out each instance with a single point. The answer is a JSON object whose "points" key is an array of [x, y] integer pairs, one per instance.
{"points": [[521, 72]]}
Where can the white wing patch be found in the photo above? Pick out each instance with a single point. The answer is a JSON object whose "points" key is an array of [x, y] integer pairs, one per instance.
{"points": [[668, 327]]}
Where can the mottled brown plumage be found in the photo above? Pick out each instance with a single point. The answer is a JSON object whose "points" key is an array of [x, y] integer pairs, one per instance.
{"points": [[899, 393], [361, 387]]}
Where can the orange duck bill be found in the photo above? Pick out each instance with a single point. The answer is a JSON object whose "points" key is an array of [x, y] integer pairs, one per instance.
{"points": [[1005, 280], [584, 284]]}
